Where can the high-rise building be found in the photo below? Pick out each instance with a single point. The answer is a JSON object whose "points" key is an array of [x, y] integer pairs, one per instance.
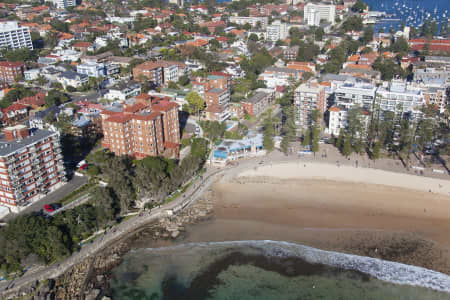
{"points": [[63, 4], [9, 71], [180, 3], [277, 31], [327, 12], [31, 164], [13, 36], [308, 97], [142, 129], [313, 17]]}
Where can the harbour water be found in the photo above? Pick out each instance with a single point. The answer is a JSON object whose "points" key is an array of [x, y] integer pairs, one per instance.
{"points": [[268, 270], [412, 12]]}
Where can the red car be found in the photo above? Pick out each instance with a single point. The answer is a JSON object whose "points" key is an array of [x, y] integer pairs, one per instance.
{"points": [[83, 167], [48, 208]]}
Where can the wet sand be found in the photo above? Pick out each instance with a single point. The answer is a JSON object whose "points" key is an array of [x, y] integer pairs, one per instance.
{"points": [[392, 223]]}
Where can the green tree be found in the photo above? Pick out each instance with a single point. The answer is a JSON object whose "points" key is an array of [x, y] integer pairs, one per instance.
{"points": [[253, 37], [376, 151], [339, 141], [367, 35], [359, 6], [196, 102], [268, 131], [347, 148], [183, 80], [306, 138], [41, 80], [315, 139], [55, 98]]}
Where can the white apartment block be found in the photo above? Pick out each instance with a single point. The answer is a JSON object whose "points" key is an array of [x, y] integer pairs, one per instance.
{"points": [[63, 4], [351, 94], [92, 69], [327, 12], [400, 98], [250, 20], [313, 17], [14, 36], [170, 73], [277, 31], [338, 119]]}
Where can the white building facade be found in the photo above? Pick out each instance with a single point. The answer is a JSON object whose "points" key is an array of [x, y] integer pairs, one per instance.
{"points": [[327, 12], [13, 36], [277, 31]]}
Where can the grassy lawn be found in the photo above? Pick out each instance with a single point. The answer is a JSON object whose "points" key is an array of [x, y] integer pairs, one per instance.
{"points": [[81, 191]]}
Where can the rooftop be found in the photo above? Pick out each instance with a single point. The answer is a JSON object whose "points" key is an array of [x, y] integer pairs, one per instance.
{"points": [[8, 148], [257, 97]]}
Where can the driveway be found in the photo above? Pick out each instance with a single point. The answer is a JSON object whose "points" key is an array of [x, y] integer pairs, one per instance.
{"points": [[52, 197]]}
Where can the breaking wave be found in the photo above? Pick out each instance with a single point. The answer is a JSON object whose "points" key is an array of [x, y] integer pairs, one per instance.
{"points": [[381, 269]]}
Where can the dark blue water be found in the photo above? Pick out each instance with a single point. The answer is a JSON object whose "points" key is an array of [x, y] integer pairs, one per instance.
{"points": [[412, 12]]}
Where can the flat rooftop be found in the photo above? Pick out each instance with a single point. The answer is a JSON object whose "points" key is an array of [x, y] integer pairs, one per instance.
{"points": [[9, 147]]}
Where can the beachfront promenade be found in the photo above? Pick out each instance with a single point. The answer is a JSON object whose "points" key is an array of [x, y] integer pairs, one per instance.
{"points": [[260, 165]]}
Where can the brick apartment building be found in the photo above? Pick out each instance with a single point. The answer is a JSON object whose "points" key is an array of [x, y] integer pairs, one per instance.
{"points": [[9, 71], [143, 129], [160, 72], [258, 103], [150, 70], [31, 164]]}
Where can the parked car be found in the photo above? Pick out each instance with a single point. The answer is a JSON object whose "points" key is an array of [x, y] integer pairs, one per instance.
{"points": [[48, 208]]}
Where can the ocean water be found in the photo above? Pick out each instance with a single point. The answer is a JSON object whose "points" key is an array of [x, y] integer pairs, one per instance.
{"points": [[412, 12], [268, 270]]}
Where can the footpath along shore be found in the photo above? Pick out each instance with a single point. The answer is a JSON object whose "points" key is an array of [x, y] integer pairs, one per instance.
{"points": [[118, 231], [265, 166]]}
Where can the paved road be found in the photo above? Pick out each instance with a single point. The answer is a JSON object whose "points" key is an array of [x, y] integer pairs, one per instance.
{"points": [[89, 96], [72, 204], [52, 197]]}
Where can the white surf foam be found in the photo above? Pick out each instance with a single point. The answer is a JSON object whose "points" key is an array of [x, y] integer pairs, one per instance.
{"points": [[381, 269]]}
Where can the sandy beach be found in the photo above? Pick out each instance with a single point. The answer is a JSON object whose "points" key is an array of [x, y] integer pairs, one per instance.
{"points": [[367, 212]]}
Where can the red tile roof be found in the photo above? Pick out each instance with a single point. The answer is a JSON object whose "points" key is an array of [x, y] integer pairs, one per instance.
{"points": [[9, 64], [164, 106]]}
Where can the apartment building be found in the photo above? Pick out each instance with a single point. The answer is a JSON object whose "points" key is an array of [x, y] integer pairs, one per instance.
{"points": [[150, 70], [338, 119], [123, 90], [216, 96], [92, 69], [276, 76], [161, 71], [31, 164], [436, 96], [254, 21], [277, 31], [290, 53], [326, 12], [63, 4], [13, 36], [349, 95], [142, 130], [308, 97], [220, 81], [400, 98], [258, 103], [10, 71]]}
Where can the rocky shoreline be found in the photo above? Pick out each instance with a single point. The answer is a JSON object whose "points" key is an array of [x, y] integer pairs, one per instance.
{"points": [[89, 279]]}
